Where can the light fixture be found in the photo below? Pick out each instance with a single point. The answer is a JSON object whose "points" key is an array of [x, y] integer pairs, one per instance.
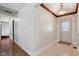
{"points": [[61, 11]]}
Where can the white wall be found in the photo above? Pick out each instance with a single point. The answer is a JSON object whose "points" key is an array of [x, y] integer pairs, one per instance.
{"points": [[78, 20], [35, 28], [24, 28], [74, 26], [5, 28], [11, 30], [78, 30], [46, 27]]}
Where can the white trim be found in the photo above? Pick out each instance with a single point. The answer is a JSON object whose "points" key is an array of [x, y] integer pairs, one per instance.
{"points": [[29, 52], [44, 48], [35, 53], [11, 38], [77, 50]]}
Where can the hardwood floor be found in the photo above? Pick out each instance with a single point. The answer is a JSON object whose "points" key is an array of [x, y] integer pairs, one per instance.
{"points": [[9, 48]]}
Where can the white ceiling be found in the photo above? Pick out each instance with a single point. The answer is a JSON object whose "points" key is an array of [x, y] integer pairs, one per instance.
{"points": [[14, 6], [55, 7]]}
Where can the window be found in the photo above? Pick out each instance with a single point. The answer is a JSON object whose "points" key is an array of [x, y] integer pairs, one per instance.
{"points": [[65, 26]]}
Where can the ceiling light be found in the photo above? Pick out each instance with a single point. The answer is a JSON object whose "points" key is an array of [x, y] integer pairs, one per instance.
{"points": [[61, 11]]}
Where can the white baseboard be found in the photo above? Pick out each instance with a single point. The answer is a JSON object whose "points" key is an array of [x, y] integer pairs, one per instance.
{"points": [[78, 51], [35, 54], [28, 52], [11, 38]]}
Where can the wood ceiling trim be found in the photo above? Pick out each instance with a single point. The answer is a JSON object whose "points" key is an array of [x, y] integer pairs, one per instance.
{"points": [[46, 8], [66, 14], [77, 7]]}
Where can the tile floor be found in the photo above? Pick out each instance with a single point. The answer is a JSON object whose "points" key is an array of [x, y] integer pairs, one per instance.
{"points": [[59, 49]]}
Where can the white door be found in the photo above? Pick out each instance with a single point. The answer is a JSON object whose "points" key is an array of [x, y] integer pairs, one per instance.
{"points": [[66, 30]]}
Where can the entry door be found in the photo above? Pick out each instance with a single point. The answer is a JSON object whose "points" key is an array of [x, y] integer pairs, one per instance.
{"points": [[66, 30]]}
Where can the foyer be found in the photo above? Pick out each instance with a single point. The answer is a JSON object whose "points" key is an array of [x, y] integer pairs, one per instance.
{"points": [[39, 29]]}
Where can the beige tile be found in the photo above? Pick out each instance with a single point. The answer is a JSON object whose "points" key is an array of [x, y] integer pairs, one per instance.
{"points": [[59, 49]]}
